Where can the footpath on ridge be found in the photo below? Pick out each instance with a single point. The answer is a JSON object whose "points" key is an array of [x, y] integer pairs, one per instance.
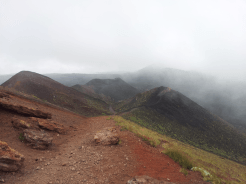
{"points": [[76, 158]]}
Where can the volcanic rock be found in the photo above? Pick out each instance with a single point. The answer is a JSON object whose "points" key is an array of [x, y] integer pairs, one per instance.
{"points": [[38, 139], [2, 95], [18, 123], [51, 125], [107, 136], [146, 180], [10, 160], [24, 110]]}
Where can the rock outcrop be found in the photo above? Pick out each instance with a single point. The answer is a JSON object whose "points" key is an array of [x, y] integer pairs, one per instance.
{"points": [[18, 123], [51, 125], [37, 123], [107, 136], [2, 95], [146, 180], [10, 160], [25, 110], [37, 139]]}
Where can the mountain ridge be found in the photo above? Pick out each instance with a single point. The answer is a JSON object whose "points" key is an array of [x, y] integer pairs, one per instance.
{"points": [[169, 112], [52, 91], [117, 89], [224, 98]]}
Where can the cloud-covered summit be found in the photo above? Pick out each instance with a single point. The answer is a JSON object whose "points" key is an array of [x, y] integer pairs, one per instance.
{"points": [[100, 36]]}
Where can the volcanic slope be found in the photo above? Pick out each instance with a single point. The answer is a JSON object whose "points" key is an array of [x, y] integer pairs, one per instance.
{"points": [[169, 112], [46, 89], [116, 89], [90, 91], [223, 98], [74, 157]]}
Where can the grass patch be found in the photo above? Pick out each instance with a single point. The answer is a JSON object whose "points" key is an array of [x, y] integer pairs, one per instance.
{"points": [[184, 171], [178, 157], [208, 140], [35, 97], [220, 170], [123, 129], [119, 142], [149, 136], [21, 137], [109, 118]]}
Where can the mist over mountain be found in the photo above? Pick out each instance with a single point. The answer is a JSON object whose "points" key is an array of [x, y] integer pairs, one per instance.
{"points": [[222, 97], [225, 98], [76, 78], [4, 78]]}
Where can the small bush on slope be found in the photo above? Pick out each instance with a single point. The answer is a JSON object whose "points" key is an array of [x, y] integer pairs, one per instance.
{"points": [[184, 171], [179, 158]]}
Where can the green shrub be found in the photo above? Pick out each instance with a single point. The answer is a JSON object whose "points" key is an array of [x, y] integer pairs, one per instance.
{"points": [[119, 142], [184, 171], [133, 119], [21, 137], [123, 128], [179, 158]]}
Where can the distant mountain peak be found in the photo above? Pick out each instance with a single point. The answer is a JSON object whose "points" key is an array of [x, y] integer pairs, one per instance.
{"points": [[116, 89], [164, 90]]}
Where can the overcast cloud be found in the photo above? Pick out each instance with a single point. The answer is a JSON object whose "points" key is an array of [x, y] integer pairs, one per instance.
{"points": [[89, 36]]}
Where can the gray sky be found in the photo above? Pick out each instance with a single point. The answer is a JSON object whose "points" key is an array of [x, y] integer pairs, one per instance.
{"points": [[89, 36]]}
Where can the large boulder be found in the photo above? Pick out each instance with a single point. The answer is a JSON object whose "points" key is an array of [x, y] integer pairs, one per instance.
{"points": [[37, 139], [107, 136], [51, 125], [146, 180], [10, 160]]}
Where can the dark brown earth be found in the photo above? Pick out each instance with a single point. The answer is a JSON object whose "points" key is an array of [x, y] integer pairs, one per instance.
{"points": [[76, 158]]}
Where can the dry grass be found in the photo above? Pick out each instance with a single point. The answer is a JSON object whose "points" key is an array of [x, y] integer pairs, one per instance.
{"points": [[221, 170]]}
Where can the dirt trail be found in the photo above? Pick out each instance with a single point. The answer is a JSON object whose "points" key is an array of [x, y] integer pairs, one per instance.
{"points": [[75, 158]]}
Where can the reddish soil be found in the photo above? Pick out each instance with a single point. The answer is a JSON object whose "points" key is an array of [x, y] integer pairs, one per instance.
{"points": [[75, 158]]}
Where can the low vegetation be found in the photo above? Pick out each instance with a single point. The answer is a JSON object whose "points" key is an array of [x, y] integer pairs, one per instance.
{"points": [[213, 167], [150, 137], [21, 137], [219, 139], [178, 157], [168, 112], [184, 171]]}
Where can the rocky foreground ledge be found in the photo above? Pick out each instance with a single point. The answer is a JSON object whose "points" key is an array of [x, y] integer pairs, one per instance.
{"points": [[24, 110], [10, 160]]}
